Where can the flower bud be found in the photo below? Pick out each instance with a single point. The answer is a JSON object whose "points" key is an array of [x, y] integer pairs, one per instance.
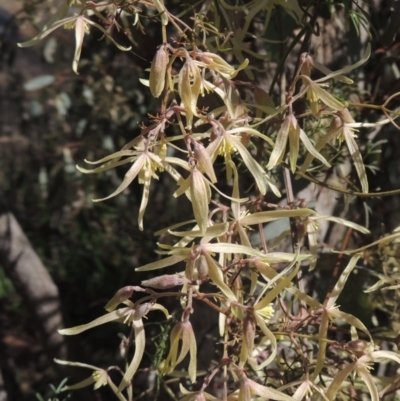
{"points": [[204, 160], [360, 347], [165, 281], [345, 116], [157, 72], [121, 295], [200, 195], [141, 310], [202, 267]]}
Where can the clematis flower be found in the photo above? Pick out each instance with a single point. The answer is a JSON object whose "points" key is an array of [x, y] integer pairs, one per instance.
{"points": [[132, 314], [362, 367], [199, 191], [341, 129], [291, 130], [218, 64], [79, 23], [99, 377], [315, 92], [262, 311], [225, 143], [145, 166], [331, 311], [182, 332], [189, 87]]}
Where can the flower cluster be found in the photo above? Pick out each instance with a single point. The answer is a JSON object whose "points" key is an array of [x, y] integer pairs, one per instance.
{"points": [[267, 320]]}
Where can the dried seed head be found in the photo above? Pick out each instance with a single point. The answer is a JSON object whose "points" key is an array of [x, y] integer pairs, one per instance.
{"points": [[157, 72]]}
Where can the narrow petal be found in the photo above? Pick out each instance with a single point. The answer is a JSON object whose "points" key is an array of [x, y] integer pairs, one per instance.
{"points": [[145, 197], [217, 277], [140, 343], [204, 160], [255, 169], [193, 356], [283, 282], [118, 314], [268, 333], [200, 196], [310, 148], [357, 158], [129, 177], [294, 142], [338, 380], [106, 166], [46, 31], [344, 222], [77, 364], [79, 35], [369, 381], [342, 281], [217, 230], [160, 264], [279, 149], [268, 392], [84, 383], [322, 344], [222, 247], [348, 68], [272, 215]]}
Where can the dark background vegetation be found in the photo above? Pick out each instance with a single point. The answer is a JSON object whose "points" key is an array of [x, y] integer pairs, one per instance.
{"points": [[89, 249]]}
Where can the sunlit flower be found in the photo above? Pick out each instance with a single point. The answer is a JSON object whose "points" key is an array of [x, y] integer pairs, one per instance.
{"points": [[225, 144], [198, 189], [189, 87], [291, 130], [145, 165], [341, 130], [362, 367], [219, 65], [131, 314]]}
